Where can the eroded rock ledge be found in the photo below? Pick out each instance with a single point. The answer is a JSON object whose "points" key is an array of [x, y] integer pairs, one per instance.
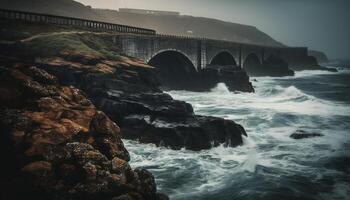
{"points": [[56, 145], [54, 142], [125, 88], [130, 96]]}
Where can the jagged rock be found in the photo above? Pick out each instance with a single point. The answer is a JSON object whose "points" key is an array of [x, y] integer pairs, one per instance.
{"points": [[38, 169], [119, 85], [147, 183], [101, 124], [309, 63], [56, 145], [130, 97], [234, 77], [45, 118], [319, 55], [120, 166], [194, 133], [272, 66], [300, 134]]}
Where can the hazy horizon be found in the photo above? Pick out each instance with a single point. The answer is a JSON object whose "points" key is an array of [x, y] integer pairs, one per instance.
{"points": [[318, 24]]}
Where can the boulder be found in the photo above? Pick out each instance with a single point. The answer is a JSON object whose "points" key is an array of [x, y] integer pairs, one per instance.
{"points": [[301, 134], [193, 133], [235, 78]]}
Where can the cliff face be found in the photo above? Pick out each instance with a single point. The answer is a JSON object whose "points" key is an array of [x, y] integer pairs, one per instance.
{"points": [[56, 145], [165, 24], [123, 87], [320, 56]]}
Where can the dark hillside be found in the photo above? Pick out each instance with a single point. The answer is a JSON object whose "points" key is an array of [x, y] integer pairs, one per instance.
{"points": [[165, 24]]}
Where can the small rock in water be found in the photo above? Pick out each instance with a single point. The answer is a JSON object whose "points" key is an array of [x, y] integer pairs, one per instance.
{"points": [[300, 134], [331, 69]]}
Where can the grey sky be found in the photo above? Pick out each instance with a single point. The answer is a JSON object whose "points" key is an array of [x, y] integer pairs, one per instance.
{"points": [[319, 24]]}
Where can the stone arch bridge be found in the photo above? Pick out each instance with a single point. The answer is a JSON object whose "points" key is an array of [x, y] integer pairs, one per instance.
{"points": [[201, 53]]}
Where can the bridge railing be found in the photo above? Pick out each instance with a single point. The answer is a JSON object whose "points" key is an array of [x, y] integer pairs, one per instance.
{"points": [[70, 21], [225, 41]]}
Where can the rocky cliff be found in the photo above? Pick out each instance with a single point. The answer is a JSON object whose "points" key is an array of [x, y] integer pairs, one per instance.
{"points": [[125, 88], [320, 56], [56, 144]]}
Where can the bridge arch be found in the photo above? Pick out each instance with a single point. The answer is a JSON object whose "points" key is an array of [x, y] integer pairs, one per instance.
{"points": [[168, 49], [223, 58], [174, 68], [252, 64]]}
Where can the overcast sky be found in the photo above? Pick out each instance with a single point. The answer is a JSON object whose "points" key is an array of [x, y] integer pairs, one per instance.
{"points": [[319, 24]]}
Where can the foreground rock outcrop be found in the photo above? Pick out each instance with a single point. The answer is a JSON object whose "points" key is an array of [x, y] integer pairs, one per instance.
{"points": [[125, 88], [56, 145], [130, 96]]}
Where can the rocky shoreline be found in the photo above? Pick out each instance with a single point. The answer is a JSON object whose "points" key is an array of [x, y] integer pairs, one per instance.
{"points": [[56, 141], [130, 96], [67, 99]]}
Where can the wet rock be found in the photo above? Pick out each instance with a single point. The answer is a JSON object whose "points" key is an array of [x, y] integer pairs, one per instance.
{"points": [[207, 78], [101, 124], [123, 197], [56, 145], [272, 66], [330, 69], [38, 169], [308, 63], [320, 56], [120, 166], [300, 134], [147, 183], [235, 78], [131, 97], [194, 133]]}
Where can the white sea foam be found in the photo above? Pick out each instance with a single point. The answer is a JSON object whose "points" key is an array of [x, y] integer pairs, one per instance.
{"points": [[269, 115]]}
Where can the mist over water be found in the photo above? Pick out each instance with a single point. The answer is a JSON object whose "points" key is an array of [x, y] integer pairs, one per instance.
{"points": [[270, 164]]}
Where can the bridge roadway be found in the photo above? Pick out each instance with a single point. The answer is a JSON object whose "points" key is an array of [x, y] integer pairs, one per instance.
{"points": [[150, 46]]}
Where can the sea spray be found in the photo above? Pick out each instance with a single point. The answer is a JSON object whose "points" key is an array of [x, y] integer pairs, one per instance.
{"points": [[269, 162]]}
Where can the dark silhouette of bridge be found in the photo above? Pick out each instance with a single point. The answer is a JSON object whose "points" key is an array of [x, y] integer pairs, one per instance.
{"points": [[193, 53]]}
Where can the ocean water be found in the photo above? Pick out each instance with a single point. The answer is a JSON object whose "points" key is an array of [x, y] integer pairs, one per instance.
{"points": [[269, 165]]}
